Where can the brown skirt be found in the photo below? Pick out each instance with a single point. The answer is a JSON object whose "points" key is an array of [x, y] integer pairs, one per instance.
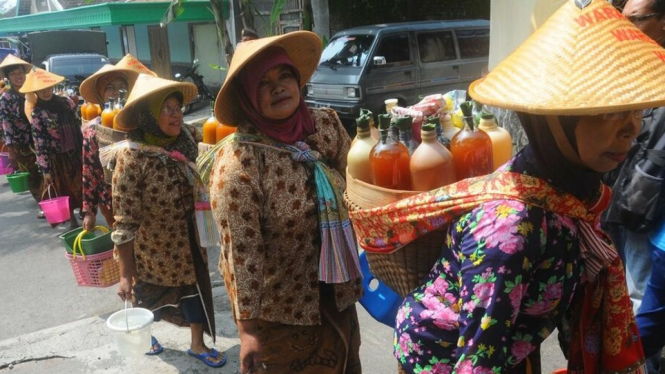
{"points": [[27, 161], [330, 348], [66, 173]]}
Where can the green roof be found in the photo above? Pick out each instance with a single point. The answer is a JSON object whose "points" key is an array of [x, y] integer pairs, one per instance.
{"points": [[108, 14]]}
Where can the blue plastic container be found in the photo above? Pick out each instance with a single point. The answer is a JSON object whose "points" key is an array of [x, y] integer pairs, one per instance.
{"points": [[380, 301], [657, 236]]}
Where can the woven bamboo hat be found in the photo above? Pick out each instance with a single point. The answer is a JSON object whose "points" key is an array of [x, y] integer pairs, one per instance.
{"points": [[39, 79], [586, 59], [132, 63], [147, 87], [128, 67], [302, 47], [12, 60]]}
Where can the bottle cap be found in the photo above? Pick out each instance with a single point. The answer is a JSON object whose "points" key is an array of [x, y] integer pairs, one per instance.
{"points": [[362, 122], [435, 120], [487, 115], [384, 121], [428, 127], [404, 123]]}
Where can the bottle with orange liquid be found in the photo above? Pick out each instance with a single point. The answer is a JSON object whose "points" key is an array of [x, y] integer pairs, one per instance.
{"points": [[502, 142], [357, 159], [107, 114], [84, 108], [471, 148], [93, 111], [431, 164], [210, 126], [117, 108], [223, 131], [389, 160], [404, 124]]}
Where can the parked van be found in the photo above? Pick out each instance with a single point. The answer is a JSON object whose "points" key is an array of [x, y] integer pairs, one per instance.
{"points": [[363, 66]]}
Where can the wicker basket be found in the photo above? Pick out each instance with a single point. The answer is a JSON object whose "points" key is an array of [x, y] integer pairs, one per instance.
{"points": [[406, 268], [107, 136], [99, 270]]}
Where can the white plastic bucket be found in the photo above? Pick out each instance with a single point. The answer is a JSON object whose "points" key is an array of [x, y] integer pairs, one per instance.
{"points": [[131, 329]]}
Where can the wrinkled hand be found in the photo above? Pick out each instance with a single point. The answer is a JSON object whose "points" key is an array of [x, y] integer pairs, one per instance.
{"points": [[125, 288], [250, 354], [89, 222]]}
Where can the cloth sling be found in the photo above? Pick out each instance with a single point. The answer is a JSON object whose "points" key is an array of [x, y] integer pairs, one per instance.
{"points": [[338, 261], [604, 336]]}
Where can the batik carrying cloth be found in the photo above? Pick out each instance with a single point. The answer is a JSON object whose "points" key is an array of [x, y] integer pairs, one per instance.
{"points": [[604, 338]]}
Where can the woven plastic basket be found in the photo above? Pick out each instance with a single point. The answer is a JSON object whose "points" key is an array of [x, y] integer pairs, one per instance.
{"points": [[406, 268], [100, 270], [107, 136]]}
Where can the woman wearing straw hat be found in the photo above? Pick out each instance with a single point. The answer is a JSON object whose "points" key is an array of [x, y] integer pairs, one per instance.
{"points": [[524, 252], [162, 266], [98, 88], [57, 135], [16, 125], [288, 254]]}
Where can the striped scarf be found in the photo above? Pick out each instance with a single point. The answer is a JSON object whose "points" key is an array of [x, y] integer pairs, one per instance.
{"points": [[604, 336]]}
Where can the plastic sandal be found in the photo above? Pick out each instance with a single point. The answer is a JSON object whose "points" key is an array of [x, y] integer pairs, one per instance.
{"points": [[204, 358], [154, 351]]}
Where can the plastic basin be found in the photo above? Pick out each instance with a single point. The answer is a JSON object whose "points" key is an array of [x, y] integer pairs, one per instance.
{"points": [[18, 182], [131, 330], [92, 243], [56, 209]]}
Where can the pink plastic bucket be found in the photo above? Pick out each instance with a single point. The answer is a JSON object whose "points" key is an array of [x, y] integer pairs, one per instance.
{"points": [[4, 160], [6, 170], [56, 209]]}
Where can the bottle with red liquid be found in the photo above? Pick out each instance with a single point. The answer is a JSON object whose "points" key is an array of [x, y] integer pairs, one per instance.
{"points": [[389, 160], [471, 148]]}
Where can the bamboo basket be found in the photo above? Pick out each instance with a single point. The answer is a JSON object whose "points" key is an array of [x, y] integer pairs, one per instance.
{"points": [[406, 268], [107, 136]]}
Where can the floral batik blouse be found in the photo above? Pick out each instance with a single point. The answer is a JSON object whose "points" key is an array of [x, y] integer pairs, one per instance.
{"points": [[506, 274], [46, 134], [15, 127], [95, 189]]}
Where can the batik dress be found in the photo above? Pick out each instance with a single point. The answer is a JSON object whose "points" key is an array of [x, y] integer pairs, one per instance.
{"points": [[96, 191]]}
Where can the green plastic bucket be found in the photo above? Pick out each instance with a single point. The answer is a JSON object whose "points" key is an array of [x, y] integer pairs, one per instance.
{"points": [[18, 182], [92, 243]]}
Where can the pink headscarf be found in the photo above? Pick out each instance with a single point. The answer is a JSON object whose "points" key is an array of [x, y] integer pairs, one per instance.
{"points": [[289, 130]]}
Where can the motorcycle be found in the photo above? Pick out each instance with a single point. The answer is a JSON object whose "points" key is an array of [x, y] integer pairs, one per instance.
{"points": [[193, 77]]}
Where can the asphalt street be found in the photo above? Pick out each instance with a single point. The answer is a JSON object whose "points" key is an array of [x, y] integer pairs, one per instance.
{"points": [[49, 324]]}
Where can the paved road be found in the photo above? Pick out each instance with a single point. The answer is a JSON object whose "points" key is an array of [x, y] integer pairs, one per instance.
{"points": [[48, 324]]}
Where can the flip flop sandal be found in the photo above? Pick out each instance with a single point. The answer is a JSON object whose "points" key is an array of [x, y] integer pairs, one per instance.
{"points": [[204, 358], [153, 351], [41, 215]]}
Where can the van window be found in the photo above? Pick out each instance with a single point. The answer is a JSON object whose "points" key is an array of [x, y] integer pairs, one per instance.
{"points": [[436, 46], [348, 50], [473, 43], [395, 49]]}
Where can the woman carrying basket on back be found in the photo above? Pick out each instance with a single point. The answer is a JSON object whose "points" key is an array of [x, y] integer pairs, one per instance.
{"points": [[524, 253]]}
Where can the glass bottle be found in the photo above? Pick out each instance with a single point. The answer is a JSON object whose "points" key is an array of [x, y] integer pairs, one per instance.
{"points": [[431, 164], [84, 108], [449, 130], [502, 142], [223, 131], [472, 151], [108, 114], [358, 157], [403, 123], [118, 107], [210, 126], [436, 121], [389, 160], [93, 111]]}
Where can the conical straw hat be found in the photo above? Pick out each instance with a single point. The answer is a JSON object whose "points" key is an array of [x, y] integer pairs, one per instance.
{"points": [[88, 87], [302, 47], [587, 59], [147, 86], [132, 63], [39, 79], [13, 60]]}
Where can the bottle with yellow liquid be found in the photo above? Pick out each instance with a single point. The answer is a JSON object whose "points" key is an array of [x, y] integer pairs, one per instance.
{"points": [[502, 142], [431, 164], [108, 114], [210, 126], [358, 157]]}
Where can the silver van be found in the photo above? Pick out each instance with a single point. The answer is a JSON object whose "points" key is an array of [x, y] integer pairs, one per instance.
{"points": [[363, 66]]}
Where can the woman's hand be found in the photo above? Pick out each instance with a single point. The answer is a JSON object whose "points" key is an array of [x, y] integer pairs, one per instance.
{"points": [[250, 348], [89, 222], [125, 288]]}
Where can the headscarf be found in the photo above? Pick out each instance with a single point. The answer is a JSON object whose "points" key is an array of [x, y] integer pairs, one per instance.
{"points": [[68, 126], [543, 158], [148, 131], [290, 130], [105, 79]]}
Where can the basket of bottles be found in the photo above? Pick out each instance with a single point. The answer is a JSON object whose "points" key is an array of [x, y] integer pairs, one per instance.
{"points": [[397, 166]]}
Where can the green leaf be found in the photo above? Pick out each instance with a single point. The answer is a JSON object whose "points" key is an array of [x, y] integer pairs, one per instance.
{"points": [[277, 7], [217, 67]]}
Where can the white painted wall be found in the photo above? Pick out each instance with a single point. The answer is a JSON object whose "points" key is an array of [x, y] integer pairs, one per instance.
{"points": [[208, 50]]}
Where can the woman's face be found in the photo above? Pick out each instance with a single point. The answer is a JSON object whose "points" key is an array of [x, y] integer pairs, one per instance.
{"points": [[17, 77], [170, 117], [603, 141], [113, 88], [45, 94], [279, 94]]}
